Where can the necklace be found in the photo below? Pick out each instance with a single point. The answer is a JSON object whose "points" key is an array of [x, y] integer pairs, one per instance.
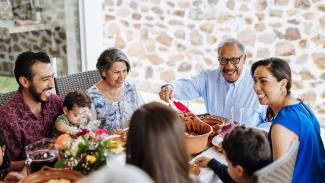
{"points": [[111, 93]]}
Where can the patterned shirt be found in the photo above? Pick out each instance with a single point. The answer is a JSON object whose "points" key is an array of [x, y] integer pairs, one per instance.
{"points": [[21, 127], [115, 114], [63, 119]]}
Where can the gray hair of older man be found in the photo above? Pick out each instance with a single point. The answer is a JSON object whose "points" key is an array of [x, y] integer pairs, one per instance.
{"points": [[233, 41], [118, 174], [110, 56]]}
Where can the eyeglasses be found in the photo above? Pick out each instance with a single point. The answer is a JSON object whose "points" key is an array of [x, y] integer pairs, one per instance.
{"points": [[224, 61]]}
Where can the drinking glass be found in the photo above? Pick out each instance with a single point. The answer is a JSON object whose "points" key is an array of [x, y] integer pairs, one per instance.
{"points": [[236, 115], [242, 115], [40, 153], [113, 159]]}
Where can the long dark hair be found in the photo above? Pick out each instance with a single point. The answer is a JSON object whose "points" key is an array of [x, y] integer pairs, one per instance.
{"points": [[280, 69], [156, 144]]}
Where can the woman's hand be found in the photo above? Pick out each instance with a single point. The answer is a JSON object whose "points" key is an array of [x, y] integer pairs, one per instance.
{"points": [[202, 161]]}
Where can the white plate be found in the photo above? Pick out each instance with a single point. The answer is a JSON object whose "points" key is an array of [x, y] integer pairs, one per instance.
{"points": [[217, 140]]}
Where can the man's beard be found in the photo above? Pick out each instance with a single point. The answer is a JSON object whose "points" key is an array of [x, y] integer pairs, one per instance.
{"points": [[37, 96]]}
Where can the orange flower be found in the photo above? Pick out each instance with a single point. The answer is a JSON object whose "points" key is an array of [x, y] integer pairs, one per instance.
{"points": [[62, 141]]}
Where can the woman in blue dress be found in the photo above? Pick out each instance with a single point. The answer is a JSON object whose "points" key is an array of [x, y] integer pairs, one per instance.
{"points": [[115, 99], [291, 120]]}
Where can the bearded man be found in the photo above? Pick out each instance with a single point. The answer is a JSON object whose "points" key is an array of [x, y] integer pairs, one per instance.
{"points": [[228, 86], [29, 116]]}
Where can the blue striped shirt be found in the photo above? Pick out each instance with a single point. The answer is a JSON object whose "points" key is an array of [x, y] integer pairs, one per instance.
{"points": [[219, 95]]}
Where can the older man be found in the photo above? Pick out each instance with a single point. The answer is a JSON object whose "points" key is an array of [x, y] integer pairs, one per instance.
{"points": [[224, 88], [29, 116]]}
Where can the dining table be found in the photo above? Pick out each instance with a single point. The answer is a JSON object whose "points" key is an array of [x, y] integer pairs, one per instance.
{"points": [[207, 175]]}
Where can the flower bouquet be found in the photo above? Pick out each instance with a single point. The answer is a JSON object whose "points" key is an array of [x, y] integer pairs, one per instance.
{"points": [[88, 151]]}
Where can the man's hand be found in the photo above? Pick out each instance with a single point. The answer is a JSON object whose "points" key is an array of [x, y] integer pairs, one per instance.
{"points": [[202, 161], [166, 93]]}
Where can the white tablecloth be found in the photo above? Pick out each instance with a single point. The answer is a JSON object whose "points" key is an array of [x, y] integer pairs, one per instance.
{"points": [[207, 175]]}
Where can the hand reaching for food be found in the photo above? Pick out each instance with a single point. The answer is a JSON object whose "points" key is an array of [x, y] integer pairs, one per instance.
{"points": [[202, 161]]}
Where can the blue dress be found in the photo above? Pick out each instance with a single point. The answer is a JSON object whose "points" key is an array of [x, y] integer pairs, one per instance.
{"points": [[310, 163], [115, 114]]}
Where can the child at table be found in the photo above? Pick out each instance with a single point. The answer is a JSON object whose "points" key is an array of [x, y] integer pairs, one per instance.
{"points": [[76, 107], [4, 160], [246, 150]]}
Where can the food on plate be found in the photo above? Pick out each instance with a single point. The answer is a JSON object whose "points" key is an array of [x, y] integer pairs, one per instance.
{"points": [[58, 181], [216, 122], [194, 169]]}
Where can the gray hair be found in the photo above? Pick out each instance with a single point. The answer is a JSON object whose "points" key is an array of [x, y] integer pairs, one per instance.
{"points": [[108, 57], [233, 41]]}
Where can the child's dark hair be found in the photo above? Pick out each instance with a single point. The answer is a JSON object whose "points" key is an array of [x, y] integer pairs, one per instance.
{"points": [[76, 98], [251, 144]]}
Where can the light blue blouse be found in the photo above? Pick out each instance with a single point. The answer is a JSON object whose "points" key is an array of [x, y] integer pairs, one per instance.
{"points": [[115, 114], [220, 96]]}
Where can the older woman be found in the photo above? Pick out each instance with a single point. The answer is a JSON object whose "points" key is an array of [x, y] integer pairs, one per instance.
{"points": [[115, 99], [156, 144], [291, 120]]}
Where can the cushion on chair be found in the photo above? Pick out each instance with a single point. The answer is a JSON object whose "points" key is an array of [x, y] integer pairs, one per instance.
{"points": [[280, 170]]}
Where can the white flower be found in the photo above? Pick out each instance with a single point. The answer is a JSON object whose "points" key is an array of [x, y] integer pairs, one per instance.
{"points": [[75, 145]]}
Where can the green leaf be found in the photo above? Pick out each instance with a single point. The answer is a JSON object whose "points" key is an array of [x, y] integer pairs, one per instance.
{"points": [[59, 164]]}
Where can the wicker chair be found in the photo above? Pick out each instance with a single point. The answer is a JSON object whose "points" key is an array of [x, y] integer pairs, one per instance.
{"points": [[4, 97], [79, 81], [280, 170]]}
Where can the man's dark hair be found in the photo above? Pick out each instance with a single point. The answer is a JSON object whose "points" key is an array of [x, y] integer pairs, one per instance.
{"points": [[247, 147], [25, 61], [76, 98]]}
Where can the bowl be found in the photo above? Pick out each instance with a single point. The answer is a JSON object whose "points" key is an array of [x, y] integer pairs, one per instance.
{"points": [[217, 142], [197, 134], [46, 174], [216, 122]]}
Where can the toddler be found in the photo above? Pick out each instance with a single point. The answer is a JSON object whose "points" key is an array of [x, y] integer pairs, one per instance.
{"points": [[76, 108]]}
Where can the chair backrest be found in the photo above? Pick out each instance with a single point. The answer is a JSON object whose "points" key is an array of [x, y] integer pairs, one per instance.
{"points": [[280, 170], [4, 97], [79, 81]]}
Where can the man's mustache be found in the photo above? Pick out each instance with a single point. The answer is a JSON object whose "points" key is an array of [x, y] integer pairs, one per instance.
{"points": [[47, 89], [228, 70]]}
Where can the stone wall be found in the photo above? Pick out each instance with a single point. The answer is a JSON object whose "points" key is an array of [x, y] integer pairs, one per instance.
{"points": [[50, 38], [168, 39]]}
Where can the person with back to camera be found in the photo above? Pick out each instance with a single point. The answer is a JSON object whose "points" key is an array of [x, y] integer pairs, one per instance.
{"points": [[229, 85], [254, 150], [114, 97], [156, 144], [291, 120]]}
